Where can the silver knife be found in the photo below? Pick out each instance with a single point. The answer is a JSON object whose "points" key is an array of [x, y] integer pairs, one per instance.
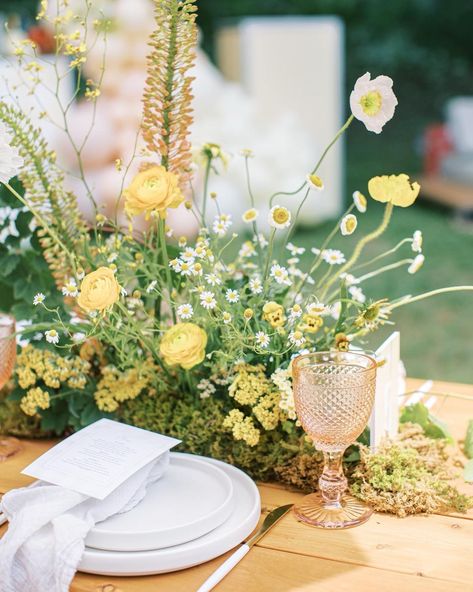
{"points": [[271, 519]]}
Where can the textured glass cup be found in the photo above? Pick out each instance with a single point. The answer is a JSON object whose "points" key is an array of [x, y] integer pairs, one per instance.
{"points": [[333, 395], [8, 446]]}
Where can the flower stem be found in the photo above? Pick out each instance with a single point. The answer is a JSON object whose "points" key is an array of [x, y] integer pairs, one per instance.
{"points": [[412, 299], [361, 245], [389, 267], [206, 186], [164, 250], [316, 168]]}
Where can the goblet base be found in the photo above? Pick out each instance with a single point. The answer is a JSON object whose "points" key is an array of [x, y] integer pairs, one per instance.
{"points": [[314, 511]]}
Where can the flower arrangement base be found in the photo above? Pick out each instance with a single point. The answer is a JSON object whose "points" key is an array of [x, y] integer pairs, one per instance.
{"points": [[314, 510]]}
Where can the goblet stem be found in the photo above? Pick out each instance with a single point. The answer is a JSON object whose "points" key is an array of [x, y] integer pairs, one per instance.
{"points": [[332, 482]]}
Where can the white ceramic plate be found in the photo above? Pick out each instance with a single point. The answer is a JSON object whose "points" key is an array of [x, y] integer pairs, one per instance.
{"points": [[239, 525], [191, 499]]}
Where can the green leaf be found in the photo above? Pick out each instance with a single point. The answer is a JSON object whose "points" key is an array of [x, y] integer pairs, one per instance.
{"points": [[56, 418], [9, 264], [468, 471], [432, 426], [469, 440]]}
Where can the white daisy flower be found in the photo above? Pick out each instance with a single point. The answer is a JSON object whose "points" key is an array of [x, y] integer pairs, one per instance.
{"points": [[280, 274], [416, 264], [261, 239], [297, 338], [256, 285], [295, 312], [315, 182], [247, 249], [316, 308], [349, 279], [232, 296], [262, 339], [279, 217], [78, 337], [186, 267], [169, 231], [227, 317], [348, 224], [52, 336], [333, 256], [225, 218], [417, 240], [70, 289], [373, 101], [185, 311], [220, 228], [112, 257], [182, 242], [188, 254], [151, 287], [175, 265], [10, 160], [200, 251], [357, 294], [295, 250], [39, 298], [212, 279], [250, 215], [360, 201], [207, 300]]}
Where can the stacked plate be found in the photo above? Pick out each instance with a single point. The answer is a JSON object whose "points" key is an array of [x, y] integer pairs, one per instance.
{"points": [[199, 509]]}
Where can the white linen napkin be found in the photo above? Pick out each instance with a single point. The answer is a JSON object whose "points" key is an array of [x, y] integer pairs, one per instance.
{"points": [[44, 542]]}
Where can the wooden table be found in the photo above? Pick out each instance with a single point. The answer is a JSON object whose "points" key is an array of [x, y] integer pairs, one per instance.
{"points": [[415, 554]]}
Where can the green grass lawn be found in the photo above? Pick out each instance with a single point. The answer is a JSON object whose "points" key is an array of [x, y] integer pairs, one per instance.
{"points": [[435, 334]]}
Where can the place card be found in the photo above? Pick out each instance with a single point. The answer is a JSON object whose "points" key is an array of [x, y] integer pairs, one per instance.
{"points": [[97, 459]]}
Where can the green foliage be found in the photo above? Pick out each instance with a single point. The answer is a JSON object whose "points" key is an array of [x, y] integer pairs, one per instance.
{"points": [[24, 271], [468, 445], [431, 425]]}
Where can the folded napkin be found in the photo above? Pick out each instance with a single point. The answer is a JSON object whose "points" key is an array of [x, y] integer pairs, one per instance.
{"points": [[48, 524]]}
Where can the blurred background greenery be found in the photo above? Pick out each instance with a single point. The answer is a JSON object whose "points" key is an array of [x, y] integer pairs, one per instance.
{"points": [[425, 46]]}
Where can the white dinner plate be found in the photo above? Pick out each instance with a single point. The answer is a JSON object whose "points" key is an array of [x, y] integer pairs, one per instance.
{"points": [[233, 531], [192, 498]]}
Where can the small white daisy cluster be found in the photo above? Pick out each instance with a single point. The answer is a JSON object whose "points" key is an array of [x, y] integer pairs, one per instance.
{"points": [[282, 378], [280, 275], [222, 224]]}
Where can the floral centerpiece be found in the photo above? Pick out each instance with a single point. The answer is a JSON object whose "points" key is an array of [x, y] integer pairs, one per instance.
{"points": [[192, 336]]}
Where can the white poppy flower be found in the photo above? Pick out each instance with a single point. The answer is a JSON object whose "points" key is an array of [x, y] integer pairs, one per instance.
{"points": [[373, 101]]}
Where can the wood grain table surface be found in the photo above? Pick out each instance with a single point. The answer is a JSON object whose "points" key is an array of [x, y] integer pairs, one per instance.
{"points": [[414, 554]]}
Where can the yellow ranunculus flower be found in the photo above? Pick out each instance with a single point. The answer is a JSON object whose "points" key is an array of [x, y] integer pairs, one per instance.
{"points": [[98, 290], [274, 314], [183, 344], [153, 190], [396, 189]]}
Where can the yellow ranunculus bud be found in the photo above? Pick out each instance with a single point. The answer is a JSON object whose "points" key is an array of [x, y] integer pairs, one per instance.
{"points": [[183, 344], [274, 314], [98, 290], [153, 190]]}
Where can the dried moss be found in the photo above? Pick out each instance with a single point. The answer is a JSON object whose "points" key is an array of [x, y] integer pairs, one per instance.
{"points": [[410, 476], [199, 424]]}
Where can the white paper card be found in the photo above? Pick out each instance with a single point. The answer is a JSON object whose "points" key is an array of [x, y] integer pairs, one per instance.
{"points": [[99, 458]]}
